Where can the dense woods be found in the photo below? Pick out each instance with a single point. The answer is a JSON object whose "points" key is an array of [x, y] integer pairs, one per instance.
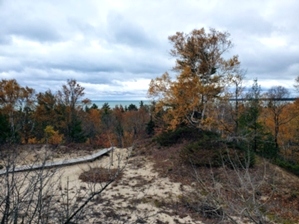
{"points": [[66, 117]]}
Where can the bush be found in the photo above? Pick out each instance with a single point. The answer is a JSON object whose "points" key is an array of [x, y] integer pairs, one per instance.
{"points": [[267, 148], [99, 175], [199, 154], [150, 127], [235, 158], [184, 133], [288, 165], [213, 152]]}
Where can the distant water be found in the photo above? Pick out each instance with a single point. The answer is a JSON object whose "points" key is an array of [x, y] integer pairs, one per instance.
{"points": [[124, 103]]}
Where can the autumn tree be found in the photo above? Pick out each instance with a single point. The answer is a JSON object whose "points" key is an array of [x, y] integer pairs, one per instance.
{"points": [[27, 123], [235, 80], [289, 132], [91, 123], [227, 110], [45, 113], [71, 93], [276, 108], [68, 99], [135, 124], [52, 136], [143, 118], [13, 100], [201, 69]]}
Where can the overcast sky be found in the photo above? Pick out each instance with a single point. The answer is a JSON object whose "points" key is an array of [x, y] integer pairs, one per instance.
{"points": [[114, 48]]}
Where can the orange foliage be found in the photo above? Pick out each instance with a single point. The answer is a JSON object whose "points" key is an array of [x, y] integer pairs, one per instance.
{"points": [[53, 137], [32, 141], [102, 140], [202, 69]]}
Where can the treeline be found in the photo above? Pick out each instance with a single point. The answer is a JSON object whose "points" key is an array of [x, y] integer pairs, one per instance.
{"points": [[268, 126], [66, 117]]}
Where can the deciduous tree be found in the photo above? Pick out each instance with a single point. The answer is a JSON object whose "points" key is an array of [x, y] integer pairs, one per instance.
{"points": [[236, 82], [276, 108], [13, 99], [45, 113], [68, 99], [201, 71]]}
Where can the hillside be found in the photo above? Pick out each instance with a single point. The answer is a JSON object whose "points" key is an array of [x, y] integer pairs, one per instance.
{"points": [[265, 187], [155, 186]]}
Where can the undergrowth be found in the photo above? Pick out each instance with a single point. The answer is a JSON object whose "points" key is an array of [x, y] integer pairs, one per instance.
{"points": [[99, 175]]}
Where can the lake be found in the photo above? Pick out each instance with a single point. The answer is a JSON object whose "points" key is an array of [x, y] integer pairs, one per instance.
{"points": [[124, 103]]}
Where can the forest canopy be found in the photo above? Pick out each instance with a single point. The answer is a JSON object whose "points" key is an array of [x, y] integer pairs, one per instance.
{"points": [[65, 117]]}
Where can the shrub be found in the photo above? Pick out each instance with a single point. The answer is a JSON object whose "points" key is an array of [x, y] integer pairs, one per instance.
{"points": [[267, 148], [288, 165], [150, 127], [199, 154], [210, 151], [99, 175], [184, 133], [53, 137]]}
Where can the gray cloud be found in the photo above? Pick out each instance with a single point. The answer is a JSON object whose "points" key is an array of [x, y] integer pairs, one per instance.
{"points": [[126, 32], [114, 48]]}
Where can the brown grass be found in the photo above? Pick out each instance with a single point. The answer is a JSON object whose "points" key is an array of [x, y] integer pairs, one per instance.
{"points": [[280, 189], [99, 175]]}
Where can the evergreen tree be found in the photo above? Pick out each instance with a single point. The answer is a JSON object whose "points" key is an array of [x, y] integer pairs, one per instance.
{"points": [[4, 129], [132, 107], [76, 133], [150, 127], [260, 141]]}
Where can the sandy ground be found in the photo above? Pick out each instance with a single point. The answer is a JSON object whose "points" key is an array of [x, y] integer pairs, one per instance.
{"points": [[135, 198]]}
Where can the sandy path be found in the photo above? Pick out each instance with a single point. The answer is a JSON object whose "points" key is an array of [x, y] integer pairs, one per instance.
{"points": [[138, 196]]}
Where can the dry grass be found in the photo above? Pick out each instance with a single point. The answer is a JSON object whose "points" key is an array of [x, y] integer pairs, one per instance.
{"points": [[279, 193], [99, 175]]}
